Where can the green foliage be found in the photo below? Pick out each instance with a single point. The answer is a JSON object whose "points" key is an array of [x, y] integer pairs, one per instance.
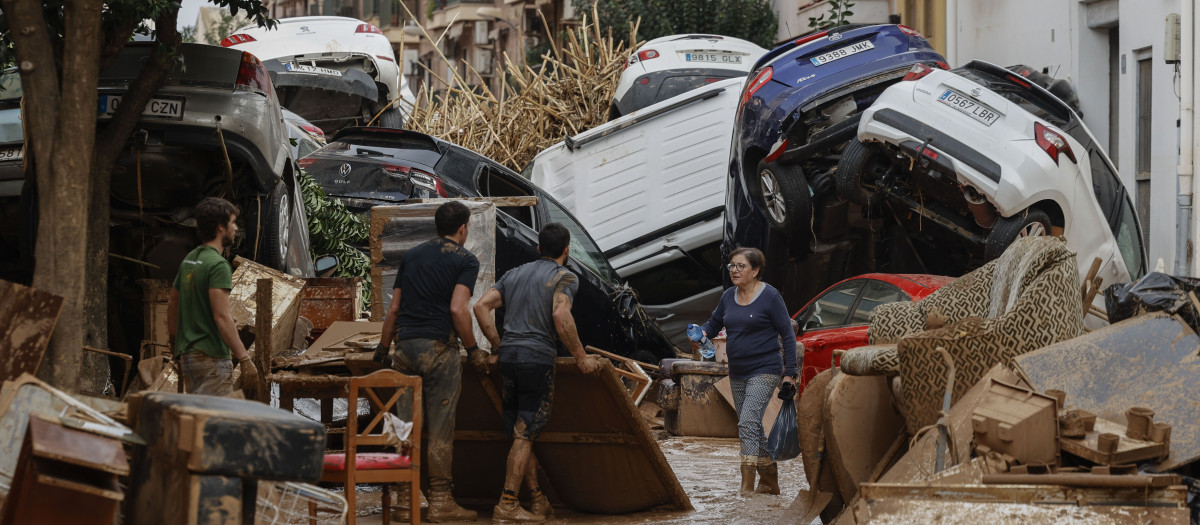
{"points": [[225, 26], [752, 20], [188, 33], [334, 230], [839, 14]]}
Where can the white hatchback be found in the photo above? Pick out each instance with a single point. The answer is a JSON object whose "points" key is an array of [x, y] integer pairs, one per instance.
{"points": [[665, 67], [991, 156], [333, 71]]}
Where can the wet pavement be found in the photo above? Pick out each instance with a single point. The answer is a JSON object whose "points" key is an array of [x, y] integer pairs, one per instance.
{"points": [[707, 469]]}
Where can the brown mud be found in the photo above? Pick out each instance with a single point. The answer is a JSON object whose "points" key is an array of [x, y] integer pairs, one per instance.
{"points": [[706, 467]]}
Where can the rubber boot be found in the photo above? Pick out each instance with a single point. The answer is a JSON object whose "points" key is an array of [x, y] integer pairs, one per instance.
{"points": [[541, 505], [510, 511], [443, 508], [747, 488], [768, 479], [401, 502]]}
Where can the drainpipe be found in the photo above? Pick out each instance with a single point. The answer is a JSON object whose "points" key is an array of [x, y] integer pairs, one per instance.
{"points": [[1183, 214], [952, 32]]}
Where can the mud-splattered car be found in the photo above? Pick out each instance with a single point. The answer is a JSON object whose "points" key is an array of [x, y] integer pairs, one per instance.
{"points": [[367, 167]]}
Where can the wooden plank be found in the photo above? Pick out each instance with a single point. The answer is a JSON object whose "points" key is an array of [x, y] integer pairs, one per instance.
{"points": [[285, 300], [620, 358], [54, 441], [27, 319], [264, 342]]}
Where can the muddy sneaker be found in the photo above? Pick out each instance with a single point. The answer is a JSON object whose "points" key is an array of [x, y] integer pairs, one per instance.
{"points": [[511, 512], [443, 508], [541, 506]]}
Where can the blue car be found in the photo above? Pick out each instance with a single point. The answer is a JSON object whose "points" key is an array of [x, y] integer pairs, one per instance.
{"points": [[800, 106]]}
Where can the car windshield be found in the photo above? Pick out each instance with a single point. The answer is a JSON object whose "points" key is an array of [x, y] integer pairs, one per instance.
{"points": [[10, 85], [583, 249], [396, 146], [1129, 241], [1028, 99]]}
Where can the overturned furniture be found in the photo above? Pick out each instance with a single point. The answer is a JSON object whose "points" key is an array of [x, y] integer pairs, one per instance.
{"points": [[926, 355], [691, 402], [208, 454]]}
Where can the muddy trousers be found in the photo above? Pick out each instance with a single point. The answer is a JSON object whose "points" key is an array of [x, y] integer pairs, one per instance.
{"points": [[205, 375], [440, 369], [750, 397]]}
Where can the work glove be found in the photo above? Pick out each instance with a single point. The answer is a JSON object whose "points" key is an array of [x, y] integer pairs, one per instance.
{"points": [[249, 378], [382, 355], [787, 390]]}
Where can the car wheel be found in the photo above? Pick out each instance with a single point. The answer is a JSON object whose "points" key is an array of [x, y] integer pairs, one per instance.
{"points": [[784, 195], [391, 118], [858, 173], [1030, 223], [275, 233]]}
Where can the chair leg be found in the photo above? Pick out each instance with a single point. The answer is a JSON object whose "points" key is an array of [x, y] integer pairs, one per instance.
{"points": [[386, 503], [312, 513], [351, 505], [414, 491]]}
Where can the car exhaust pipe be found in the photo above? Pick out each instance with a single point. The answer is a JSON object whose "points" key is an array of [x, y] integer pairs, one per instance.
{"points": [[981, 209]]}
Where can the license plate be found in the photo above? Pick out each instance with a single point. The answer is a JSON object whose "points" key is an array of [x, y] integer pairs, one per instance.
{"points": [[844, 52], [312, 69], [719, 57], [10, 154], [158, 107], [969, 107]]}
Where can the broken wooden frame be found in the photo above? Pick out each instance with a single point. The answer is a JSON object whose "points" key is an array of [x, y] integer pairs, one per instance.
{"points": [[27, 319]]}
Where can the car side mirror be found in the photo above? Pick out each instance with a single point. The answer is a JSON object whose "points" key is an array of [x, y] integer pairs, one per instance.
{"points": [[325, 265]]}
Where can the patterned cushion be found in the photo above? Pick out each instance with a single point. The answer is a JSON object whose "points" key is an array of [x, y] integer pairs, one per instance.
{"points": [[1039, 276], [368, 461], [871, 360]]}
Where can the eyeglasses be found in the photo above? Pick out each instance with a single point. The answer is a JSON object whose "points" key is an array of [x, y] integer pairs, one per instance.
{"points": [[736, 266]]}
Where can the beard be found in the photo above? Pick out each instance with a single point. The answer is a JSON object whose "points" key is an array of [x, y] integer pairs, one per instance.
{"points": [[227, 240]]}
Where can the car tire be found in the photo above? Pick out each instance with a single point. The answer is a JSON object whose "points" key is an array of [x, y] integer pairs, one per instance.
{"points": [[784, 196], [275, 235], [1029, 223], [391, 118], [860, 163]]}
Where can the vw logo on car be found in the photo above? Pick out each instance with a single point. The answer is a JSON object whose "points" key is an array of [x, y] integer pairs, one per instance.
{"points": [[344, 169]]}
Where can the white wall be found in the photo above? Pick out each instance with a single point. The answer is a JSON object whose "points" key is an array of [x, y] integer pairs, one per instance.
{"points": [[1055, 35], [793, 14]]}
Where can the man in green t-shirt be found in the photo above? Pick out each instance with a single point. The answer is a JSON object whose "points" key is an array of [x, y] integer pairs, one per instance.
{"points": [[198, 316]]}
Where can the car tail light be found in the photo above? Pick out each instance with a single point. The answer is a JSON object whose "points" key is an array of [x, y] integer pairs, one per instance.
{"points": [[389, 59], [306, 162], [421, 179], [647, 54], [910, 31], [804, 40], [233, 40], [917, 72], [1052, 142], [1018, 81], [759, 81], [253, 74], [942, 65], [395, 170], [313, 129], [367, 28], [712, 80]]}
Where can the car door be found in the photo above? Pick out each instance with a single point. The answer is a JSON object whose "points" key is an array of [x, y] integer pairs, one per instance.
{"points": [[839, 318]]}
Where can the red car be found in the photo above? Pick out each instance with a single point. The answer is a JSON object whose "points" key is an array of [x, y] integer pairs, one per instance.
{"points": [[837, 318]]}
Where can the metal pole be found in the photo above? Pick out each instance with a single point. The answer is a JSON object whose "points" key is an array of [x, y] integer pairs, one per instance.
{"points": [[1183, 215]]}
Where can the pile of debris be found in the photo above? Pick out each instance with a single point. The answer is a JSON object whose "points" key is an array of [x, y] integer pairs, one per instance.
{"points": [[570, 92]]}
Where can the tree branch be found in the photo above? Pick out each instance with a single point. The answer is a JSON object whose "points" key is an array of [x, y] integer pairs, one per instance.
{"points": [[117, 40]]}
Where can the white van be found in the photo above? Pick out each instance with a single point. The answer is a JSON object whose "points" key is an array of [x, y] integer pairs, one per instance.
{"points": [[650, 189]]}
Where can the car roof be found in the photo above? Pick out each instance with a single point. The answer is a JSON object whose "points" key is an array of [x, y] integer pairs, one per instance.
{"points": [[302, 20]]}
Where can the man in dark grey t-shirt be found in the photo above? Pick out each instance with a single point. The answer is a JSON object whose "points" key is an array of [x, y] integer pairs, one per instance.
{"points": [[536, 298]]}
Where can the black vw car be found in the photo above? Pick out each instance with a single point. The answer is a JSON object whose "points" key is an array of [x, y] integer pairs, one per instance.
{"points": [[367, 167]]}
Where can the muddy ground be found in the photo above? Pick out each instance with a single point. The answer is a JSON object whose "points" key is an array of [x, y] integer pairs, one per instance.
{"points": [[708, 470]]}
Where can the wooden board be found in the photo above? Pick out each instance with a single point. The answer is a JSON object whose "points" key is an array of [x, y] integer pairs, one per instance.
{"points": [[1149, 361], [1129, 450], [396, 229], [285, 300], [27, 319], [597, 454], [341, 331]]}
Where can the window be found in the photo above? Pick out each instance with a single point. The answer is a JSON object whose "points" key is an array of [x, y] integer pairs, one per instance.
{"points": [[673, 281], [1129, 241], [493, 184], [1108, 188], [583, 249], [1053, 111], [832, 308], [875, 294]]}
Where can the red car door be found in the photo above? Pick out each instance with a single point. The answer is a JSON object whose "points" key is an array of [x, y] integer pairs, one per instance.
{"points": [[838, 320]]}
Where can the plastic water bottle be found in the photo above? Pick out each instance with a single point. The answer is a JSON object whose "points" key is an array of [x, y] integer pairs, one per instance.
{"points": [[707, 350]]}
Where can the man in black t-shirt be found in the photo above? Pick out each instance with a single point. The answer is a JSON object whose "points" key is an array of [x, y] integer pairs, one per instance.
{"points": [[430, 304]]}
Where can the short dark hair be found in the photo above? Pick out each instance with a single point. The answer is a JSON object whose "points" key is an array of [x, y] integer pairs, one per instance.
{"points": [[553, 239], [753, 256], [211, 213], [450, 216]]}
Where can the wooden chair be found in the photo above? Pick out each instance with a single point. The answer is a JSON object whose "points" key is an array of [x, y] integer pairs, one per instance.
{"points": [[352, 467]]}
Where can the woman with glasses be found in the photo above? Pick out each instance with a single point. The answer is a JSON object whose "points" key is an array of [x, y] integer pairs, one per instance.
{"points": [[756, 322]]}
